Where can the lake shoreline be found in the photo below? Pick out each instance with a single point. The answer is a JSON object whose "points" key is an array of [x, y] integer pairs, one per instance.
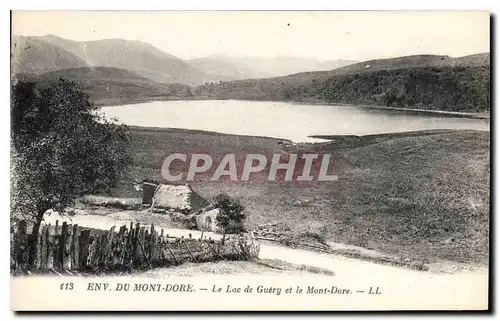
{"points": [[415, 111], [117, 102]]}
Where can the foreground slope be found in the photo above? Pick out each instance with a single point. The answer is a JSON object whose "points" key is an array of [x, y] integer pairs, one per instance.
{"points": [[422, 196]]}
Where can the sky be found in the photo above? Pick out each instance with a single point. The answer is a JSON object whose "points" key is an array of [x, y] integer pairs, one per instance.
{"points": [[324, 35]]}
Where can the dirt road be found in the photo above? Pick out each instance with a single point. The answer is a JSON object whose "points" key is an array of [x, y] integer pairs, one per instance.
{"points": [[355, 285]]}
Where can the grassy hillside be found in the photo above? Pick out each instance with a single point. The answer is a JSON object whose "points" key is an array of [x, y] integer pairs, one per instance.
{"points": [[447, 88], [417, 61], [440, 88], [423, 195], [111, 84], [481, 59], [419, 82], [136, 56], [32, 55]]}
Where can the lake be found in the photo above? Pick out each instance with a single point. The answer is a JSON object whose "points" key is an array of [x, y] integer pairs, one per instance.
{"points": [[281, 120]]}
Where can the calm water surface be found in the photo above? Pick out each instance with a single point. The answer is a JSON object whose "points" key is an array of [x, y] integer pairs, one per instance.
{"points": [[281, 120]]}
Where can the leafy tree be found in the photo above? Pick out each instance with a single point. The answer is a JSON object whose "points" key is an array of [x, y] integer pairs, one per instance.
{"points": [[61, 149], [230, 211], [285, 93]]}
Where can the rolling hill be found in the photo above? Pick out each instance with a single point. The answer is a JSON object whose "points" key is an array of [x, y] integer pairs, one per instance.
{"points": [[151, 62], [136, 56], [423, 82], [123, 70], [109, 84], [422, 61], [481, 59], [33, 55]]}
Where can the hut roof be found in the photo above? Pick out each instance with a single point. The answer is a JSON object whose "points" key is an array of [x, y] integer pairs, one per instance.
{"points": [[178, 197]]}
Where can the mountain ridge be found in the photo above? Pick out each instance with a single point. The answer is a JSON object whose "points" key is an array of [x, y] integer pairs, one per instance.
{"points": [[160, 66], [266, 67], [415, 82], [412, 61], [140, 57], [32, 55]]}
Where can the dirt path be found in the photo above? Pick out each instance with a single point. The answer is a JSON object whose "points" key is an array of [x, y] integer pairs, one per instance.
{"points": [[399, 288]]}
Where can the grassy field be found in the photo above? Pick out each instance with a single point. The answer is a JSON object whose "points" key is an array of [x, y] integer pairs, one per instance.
{"points": [[421, 195]]}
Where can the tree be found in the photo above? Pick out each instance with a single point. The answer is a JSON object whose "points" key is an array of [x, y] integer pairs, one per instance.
{"points": [[230, 211], [285, 93], [61, 149]]}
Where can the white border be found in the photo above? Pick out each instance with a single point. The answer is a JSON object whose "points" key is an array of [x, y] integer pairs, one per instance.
{"points": [[255, 5], [490, 5]]}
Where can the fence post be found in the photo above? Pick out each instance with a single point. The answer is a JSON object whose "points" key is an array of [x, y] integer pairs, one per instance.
{"points": [[43, 248], [135, 249], [68, 260], [102, 248], [153, 240], [84, 247], [107, 249], [62, 247], [38, 247], [122, 245], [22, 244], [51, 247], [75, 248], [141, 237]]}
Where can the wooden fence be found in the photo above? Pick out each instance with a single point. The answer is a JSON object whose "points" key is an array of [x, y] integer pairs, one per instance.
{"points": [[72, 247]]}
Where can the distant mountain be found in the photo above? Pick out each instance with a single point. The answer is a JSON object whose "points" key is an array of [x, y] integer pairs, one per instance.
{"points": [[49, 53], [262, 67], [224, 66], [136, 56], [33, 55]]}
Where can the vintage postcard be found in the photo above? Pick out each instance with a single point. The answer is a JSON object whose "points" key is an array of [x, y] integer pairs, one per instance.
{"points": [[226, 160]]}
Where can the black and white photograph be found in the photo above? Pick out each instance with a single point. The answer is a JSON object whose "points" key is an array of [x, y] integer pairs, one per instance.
{"points": [[250, 160]]}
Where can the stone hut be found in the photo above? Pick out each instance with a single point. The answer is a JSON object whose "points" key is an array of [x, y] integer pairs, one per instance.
{"points": [[180, 198]]}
